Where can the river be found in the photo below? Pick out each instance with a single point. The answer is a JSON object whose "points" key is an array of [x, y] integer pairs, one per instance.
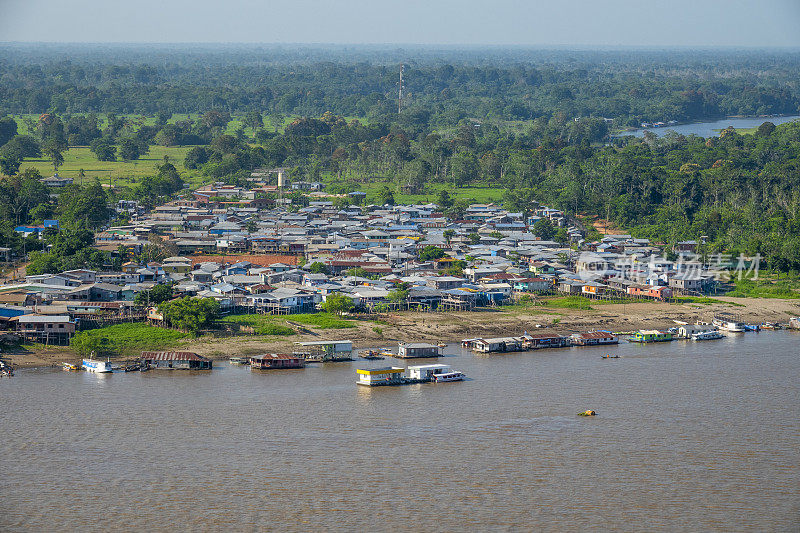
{"points": [[690, 436], [712, 129]]}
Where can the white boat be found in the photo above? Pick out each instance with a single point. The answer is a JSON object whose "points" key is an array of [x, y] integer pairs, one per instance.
{"points": [[707, 336], [729, 324], [93, 365], [448, 376]]}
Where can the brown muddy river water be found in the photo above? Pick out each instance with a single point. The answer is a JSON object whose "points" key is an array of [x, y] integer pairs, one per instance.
{"points": [[690, 436]]}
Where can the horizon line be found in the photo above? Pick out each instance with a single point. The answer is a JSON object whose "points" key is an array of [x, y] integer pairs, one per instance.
{"points": [[540, 46]]}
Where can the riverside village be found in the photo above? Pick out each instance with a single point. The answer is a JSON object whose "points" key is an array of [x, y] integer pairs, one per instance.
{"points": [[255, 252]]}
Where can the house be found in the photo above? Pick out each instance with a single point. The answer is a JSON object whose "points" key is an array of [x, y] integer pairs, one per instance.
{"points": [[56, 181], [175, 360], [532, 285], [570, 286], [390, 375], [534, 341], [274, 360], [327, 350], [46, 329], [593, 338], [443, 283], [498, 344], [426, 372], [412, 350]]}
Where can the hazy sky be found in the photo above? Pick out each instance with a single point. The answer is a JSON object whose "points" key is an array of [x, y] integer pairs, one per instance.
{"points": [[580, 23]]}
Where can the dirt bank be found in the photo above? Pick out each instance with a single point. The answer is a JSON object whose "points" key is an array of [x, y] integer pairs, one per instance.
{"points": [[453, 327]]}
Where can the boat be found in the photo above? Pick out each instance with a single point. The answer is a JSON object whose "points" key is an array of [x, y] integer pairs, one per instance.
{"points": [[752, 327], [707, 336], [99, 367], [370, 354], [650, 336], [133, 368], [728, 324], [442, 345], [609, 356], [6, 369], [771, 325], [448, 376], [70, 367], [239, 360]]}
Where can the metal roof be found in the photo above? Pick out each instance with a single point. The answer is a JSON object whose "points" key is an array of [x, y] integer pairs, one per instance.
{"points": [[173, 356]]}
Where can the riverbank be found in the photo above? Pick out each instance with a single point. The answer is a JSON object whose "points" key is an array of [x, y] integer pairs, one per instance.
{"points": [[452, 327]]}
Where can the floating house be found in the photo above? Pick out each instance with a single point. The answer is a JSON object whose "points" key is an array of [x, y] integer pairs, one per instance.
{"points": [[594, 338], [687, 330], [426, 372], [326, 350], [175, 360], [535, 341], [411, 350], [497, 344], [650, 336], [372, 377], [274, 360]]}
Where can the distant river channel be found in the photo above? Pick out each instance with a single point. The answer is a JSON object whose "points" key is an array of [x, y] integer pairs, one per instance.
{"points": [[712, 129], [690, 436]]}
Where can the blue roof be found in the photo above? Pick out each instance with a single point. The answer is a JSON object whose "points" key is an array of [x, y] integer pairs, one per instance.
{"points": [[51, 223]]}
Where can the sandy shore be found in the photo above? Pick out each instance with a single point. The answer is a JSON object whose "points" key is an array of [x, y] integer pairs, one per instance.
{"points": [[453, 327]]}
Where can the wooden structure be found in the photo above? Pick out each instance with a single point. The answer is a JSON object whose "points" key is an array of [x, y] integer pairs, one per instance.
{"points": [[411, 350], [175, 360], [593, 338], [273, 361]]}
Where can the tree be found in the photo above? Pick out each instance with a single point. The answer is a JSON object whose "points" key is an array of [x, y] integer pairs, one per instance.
{"points": [[52, 149], [190, 314], [8, 128], [128, 149], [104, 149], [429, 253], [84, 207], [544, 229], [9, 164], [385, 196], [253, 120], [158, 294], [465, 168], [398, 295], [449, 234], [337, 303], [318, 267], [443, 199], [195, 158]]}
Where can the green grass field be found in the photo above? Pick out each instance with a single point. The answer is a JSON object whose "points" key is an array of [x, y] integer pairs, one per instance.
{"points": [[117, 173], [125, 339], [771, 287], [261, 324]]}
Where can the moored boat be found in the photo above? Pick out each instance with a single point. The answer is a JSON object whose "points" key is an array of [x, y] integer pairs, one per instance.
{"points": [[6, 369], [239, 360], [728, 324], [650, 336], [71, 367], [448, 376], [370, 354], [99, 367], [707, 336]]}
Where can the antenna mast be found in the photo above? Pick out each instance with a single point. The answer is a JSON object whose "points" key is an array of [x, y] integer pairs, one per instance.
{"points": [[400, 94]]}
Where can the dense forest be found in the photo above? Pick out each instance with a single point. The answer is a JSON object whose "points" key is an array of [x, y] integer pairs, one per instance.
{"points": [[295, 109], [441, 86]]}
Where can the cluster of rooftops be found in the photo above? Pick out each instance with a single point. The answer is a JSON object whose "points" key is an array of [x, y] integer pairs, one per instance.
{"points": [[273, 259]]}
